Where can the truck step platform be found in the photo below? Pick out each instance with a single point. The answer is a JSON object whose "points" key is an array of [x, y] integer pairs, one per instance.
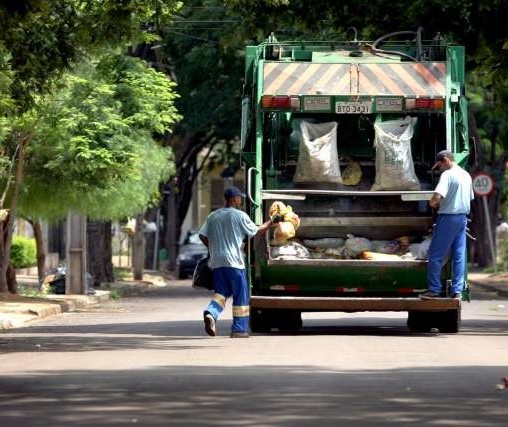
{"points": [[353, 304]]}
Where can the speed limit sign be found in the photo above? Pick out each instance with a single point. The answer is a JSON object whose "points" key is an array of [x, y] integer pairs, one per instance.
{"points": [[483, 184]]}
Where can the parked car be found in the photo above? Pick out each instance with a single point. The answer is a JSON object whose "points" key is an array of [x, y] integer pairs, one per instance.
{"points": [[191, 251]]}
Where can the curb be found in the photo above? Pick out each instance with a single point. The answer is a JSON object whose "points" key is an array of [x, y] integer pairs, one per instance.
{"points": [[18, 313], [502, 291]]}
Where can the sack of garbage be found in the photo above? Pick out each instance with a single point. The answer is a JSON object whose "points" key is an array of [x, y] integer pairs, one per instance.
{"points": [[420, 250], [283, 232], [354, 246], [385, 246], [291, 250], [326, 242], [394, 162], [284, 213], [288, 222], [318, 159], [352, 174], [203, 275], [277, 208]]}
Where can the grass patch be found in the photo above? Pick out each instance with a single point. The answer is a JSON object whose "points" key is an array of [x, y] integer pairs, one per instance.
{"points": [[31, 292], [122, 273]]}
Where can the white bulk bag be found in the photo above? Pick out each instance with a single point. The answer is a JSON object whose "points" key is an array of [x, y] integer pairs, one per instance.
{"points": [[318, 160], [394, 162]]}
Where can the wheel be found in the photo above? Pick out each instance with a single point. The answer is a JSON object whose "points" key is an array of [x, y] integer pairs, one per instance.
{"points": [[181, 274], [419, 321], [289, 320], [449, 321], [260, 321]]}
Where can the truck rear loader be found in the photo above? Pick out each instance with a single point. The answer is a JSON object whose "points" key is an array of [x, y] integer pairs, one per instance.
{"points": [[346, 134]]}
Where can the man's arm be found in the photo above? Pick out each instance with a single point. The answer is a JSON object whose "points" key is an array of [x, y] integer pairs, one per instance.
{"points": [[204, 240], [263, 227], [435, 200]]}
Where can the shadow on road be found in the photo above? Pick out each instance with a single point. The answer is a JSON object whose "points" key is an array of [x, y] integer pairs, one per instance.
{"points": [[256, 396]]}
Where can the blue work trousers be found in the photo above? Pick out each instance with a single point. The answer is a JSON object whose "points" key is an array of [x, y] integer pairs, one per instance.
{"points": [[228, 282], [449, 238]]}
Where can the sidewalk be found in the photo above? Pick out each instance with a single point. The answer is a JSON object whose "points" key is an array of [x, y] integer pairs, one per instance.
{"points": [[489, 282], [17, 310]]}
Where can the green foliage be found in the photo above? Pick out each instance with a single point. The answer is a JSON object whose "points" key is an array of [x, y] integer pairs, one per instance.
{"points": [[208, 67], [23, 252], [93, 149], [48, 38]]}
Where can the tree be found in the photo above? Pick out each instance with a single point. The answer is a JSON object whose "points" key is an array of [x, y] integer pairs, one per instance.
{"points": [[39, 42], [208, 69]]}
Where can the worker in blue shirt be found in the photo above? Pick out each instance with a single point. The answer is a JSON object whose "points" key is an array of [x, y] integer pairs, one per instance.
{"points": [[224, 232], [452, 197]]}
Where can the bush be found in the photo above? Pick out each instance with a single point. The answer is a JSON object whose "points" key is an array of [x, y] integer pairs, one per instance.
{"points": [[23, 252]]}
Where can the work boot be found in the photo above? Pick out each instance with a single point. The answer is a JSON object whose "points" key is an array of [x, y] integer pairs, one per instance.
{"points": [[210, 324], [239, 334], [429, 295]]}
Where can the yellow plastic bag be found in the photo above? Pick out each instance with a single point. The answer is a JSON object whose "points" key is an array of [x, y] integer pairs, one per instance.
{"points": [[283, 232], [352, 175]]}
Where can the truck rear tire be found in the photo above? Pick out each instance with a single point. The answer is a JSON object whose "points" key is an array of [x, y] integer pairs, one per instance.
{"points": [[260, 320], [449, 321], [419, 321], [289, 320]]}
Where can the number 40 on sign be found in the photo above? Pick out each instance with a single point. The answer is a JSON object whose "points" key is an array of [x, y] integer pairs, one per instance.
{"points": [[483, 184]]}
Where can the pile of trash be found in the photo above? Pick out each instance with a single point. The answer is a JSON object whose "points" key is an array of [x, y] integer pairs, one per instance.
{"points": [[284, 245]]}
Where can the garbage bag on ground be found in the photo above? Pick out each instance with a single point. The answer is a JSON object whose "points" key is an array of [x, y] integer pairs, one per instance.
{"points": [[394, 161], [54, 282], [318, 159], [203, 275]]}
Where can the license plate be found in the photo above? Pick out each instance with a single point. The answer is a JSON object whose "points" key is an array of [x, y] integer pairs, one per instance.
{"points": [[353, 107]]}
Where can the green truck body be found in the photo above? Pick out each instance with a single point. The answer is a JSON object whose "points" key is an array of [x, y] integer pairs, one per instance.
{"points": [[355, 85]]}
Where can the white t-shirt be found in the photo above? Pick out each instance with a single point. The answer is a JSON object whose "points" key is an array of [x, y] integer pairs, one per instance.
{"points": [[456, 188], [225, 229]]}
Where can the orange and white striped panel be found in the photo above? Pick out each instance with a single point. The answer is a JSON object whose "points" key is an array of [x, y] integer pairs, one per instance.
{"points": [[403, 79], [304, 78], [400, 79]]}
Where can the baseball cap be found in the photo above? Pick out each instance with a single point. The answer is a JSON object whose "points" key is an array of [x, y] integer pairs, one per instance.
{"points": [[442, 155], [232, 192]]}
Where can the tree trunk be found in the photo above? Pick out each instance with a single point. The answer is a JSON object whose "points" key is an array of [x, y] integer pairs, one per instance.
{"points": [[138, 249], [100, 253], [7, 274], [41, 249]]}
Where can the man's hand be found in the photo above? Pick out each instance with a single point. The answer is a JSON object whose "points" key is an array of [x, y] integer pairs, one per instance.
{"points": [[435, 200], [276, 218]]}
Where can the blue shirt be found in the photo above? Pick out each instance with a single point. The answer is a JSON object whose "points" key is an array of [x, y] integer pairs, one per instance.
{"points": [[456, 189], [225, 229]]}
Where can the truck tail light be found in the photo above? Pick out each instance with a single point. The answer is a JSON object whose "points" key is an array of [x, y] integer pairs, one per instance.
{"points": [[271, 102], [424, 104]]}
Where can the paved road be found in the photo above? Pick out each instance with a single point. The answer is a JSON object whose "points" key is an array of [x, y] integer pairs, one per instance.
{"points": [[147, 361]]}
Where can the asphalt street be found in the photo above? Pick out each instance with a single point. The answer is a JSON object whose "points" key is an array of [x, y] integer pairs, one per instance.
{"points": [[147, 361]]}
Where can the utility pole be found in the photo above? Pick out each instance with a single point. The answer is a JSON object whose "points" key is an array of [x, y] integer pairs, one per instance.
{"points": [[75, 282]]}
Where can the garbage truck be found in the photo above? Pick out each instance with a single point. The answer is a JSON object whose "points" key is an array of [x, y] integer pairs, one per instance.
{"points": [[340, 137]]}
